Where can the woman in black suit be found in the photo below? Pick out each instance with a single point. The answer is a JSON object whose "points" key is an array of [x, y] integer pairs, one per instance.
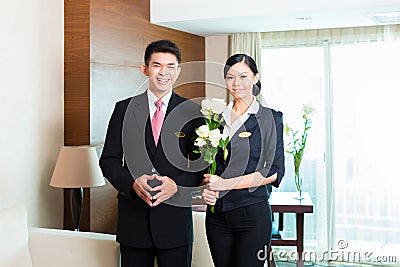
{"points": [[239, 228]]}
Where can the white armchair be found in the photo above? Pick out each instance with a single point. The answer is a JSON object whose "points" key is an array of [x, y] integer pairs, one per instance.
{"points": [[39, 247], [62, 248]]}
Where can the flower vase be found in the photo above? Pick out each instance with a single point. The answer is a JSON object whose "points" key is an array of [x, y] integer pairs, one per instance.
{"points": [[299, 187], [299, 195]]}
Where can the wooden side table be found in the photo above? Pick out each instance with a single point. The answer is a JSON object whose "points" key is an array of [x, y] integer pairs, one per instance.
{"points": [[285, 202]]}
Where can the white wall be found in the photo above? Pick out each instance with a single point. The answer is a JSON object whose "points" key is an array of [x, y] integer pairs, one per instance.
{"points": [[217, 52], [31, 106]]}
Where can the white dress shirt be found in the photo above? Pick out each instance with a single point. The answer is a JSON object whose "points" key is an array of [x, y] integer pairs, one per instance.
{"points": [[230, 127], [153, 99]]}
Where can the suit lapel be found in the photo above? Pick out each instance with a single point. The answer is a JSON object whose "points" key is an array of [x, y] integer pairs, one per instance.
{"points": [[141, 112], [135, 144], [173, 102], [248, 126], [251, 123]]}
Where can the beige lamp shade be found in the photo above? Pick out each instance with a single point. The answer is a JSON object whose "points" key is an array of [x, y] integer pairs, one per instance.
{"points": [[77, 166]]}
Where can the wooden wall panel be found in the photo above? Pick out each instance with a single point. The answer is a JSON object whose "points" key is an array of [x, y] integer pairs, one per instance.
{"points": [[105, 41], [120, 35], [76, 91], [76, 72], [110, 83]]}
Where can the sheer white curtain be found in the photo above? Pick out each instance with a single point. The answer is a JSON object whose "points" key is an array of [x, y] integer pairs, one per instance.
{"points": [[353, 193], [247, 43], [332, 36], [366, 151]]}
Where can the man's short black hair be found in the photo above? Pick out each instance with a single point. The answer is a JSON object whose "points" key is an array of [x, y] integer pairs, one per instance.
{"points": [[161, 46]]}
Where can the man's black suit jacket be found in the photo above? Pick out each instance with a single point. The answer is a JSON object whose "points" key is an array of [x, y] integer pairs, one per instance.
{"points": [[129, 151]]}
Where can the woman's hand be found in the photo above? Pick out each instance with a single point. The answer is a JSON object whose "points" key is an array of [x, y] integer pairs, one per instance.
{"points": [[216, 183], [210, 197]]}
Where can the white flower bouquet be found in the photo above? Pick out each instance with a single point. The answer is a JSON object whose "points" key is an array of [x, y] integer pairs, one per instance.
{"points": [[209, 138]]}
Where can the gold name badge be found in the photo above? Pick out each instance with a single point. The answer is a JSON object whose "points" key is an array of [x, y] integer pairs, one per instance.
{"points": [[180, 134], [244, 134]]}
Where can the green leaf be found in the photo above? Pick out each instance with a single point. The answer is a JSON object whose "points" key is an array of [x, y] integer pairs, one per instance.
{"points": [[212, 209], [225, 153], [215, 117]]}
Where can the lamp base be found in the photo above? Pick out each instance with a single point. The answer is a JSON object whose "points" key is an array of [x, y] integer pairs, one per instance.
{"points": [[76, 200]]}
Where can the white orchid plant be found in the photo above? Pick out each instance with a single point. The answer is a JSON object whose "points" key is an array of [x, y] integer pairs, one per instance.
{"points": [[297, 144], [209, 138]]}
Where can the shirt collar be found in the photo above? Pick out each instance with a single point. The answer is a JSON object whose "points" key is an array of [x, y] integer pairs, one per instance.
{"points": [[152, 98], [254, 107]]}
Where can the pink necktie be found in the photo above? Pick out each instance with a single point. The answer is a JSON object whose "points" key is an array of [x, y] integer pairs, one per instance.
{"points": [[157, 121]]}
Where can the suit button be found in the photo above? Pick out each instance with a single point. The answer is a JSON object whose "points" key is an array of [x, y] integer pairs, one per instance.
{"points": [[153, 170]]}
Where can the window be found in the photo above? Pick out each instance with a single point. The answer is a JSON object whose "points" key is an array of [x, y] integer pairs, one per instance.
{"points": [[292, 77], [366, 147], [364, 85]]}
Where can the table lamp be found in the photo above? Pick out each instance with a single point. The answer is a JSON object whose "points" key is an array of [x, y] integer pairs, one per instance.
{"points": [[77, 167]]}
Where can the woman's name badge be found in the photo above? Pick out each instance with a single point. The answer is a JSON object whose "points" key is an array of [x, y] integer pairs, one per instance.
{"points": [[180, 134], [244, 134]]}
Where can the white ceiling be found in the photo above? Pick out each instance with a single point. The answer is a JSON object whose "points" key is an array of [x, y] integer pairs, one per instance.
{"points": [[219, 17]]}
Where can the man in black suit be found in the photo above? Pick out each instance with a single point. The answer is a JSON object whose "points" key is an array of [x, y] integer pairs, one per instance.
{"points": [[151, 168]]}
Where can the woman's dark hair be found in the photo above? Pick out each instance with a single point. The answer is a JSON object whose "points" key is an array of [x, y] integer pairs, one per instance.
{"points": [[232, 60], [161, 46]]}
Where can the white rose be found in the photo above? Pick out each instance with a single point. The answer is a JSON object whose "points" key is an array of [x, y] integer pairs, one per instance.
{"points": [[203, 131], [214, 137], [206, 104], [200, 142], [215, 143], [206, 113], [218, 105]]}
